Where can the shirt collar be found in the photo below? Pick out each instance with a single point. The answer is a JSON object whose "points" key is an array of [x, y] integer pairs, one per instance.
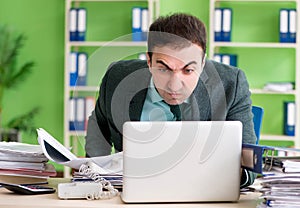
{"points": [[155, 96]]}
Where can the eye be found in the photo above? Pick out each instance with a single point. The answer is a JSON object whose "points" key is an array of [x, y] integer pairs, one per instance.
{"points": [[188, 71], [163, 70]]}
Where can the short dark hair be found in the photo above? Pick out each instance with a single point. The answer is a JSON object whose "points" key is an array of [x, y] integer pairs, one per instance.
{"points": [[178, 30]]}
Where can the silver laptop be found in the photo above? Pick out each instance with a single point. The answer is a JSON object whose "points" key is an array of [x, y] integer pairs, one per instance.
{"points": [[184, 161]]}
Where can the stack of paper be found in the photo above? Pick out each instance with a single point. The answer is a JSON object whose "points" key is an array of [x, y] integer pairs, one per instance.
{"points": [[279, 86], [282, 190], [23, 163]]}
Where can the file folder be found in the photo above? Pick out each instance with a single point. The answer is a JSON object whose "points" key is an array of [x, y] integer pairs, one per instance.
{"points": [[82, 69], [292, 25], [136, 24], [283, 21], [81, 24], [144, 23], [289, 118], [226, 24], [218, 24], [80, 114], [72, 113], [72, 24], [73, 68]]}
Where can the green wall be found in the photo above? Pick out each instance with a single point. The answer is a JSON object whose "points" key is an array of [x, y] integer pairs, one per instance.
{"points": [[43, 23]]}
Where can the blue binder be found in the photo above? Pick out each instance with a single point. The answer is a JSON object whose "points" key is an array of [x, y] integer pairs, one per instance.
{"points": [[289, 118], [252, 157], [284, 25], [73, 24], [72, 113], [137, 24], [218, 57], [81, 24], [73, 68], [226, 24], [292, 25], [144, 23], [218, 24], [229, 59], [81, 69], [80, 114]]}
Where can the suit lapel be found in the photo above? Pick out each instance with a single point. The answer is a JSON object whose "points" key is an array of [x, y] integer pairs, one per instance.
{"points": [[137, 102], [136, 105]]}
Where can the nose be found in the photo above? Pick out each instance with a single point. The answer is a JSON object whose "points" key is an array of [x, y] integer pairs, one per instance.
{"points": [[175, 82]]}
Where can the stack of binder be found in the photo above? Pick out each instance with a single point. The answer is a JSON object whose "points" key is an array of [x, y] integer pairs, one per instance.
{"points": [[77, 24], [140, 23], [288, 25], [229, 59], [78, 68], [223, 24], [80, 110]]}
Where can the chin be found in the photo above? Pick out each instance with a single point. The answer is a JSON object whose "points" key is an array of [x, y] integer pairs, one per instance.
{"points": [[173, 101]]}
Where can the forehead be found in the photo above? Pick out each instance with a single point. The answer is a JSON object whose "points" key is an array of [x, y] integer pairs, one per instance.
{"points": [[187, 54]]}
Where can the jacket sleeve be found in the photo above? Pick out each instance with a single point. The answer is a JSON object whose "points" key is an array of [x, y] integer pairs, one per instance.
{"points": [[96, 144], [98, 141], [241, 109]]}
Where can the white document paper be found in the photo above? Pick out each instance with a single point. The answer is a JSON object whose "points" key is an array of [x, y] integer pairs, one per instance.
{"points": [[58, 153]]}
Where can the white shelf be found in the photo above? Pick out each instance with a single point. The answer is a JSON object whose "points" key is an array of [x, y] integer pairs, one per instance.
{"points": [[108, 43], [77, 133], [277, 137], [256, 1], [153, 7], [215, 46], [266, 92], [84, 89], [108, 0], [255, 45]]}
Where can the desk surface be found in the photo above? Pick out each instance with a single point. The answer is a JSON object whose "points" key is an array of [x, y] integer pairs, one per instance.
{"points": [[9, 199]]}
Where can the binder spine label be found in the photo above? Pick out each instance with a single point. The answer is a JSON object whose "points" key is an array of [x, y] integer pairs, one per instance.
{"points": [[226, 29], [218, 24], [81, 27]]}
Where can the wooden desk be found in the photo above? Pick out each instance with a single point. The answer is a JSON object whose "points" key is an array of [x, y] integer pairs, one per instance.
{"points": [[9, 199]]}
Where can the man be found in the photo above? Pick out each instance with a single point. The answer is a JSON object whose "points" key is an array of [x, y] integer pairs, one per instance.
{"points": [[175, 75]]}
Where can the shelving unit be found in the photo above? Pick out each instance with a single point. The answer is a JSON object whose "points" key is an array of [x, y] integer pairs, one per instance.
{"points": [[237, 44], [71, 138]]}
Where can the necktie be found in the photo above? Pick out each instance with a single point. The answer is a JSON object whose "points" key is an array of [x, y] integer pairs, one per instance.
{"points": [[175, 109]]}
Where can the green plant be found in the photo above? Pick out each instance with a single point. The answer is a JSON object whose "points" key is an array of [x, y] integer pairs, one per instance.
{"points": [[11, 75]]}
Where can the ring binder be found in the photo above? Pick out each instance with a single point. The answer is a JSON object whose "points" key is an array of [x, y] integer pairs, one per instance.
{"points": [[261, 159]]}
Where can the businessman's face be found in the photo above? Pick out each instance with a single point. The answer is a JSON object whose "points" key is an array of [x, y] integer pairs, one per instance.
{"points": [[176, 72]]}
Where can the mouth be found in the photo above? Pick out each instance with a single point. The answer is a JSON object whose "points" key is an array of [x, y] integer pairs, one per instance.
{"points": [[175, 96]]}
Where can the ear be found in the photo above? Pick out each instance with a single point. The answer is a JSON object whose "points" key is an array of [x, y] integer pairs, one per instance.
{"points": [[148, 61]]}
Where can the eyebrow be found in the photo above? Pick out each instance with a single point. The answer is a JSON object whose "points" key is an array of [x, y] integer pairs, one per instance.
{"points": [[166, 65]]}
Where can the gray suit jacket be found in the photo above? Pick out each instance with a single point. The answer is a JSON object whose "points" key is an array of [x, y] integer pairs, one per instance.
{"points": [[222, 93]]}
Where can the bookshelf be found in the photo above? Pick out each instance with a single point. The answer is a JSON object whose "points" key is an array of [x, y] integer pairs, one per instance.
{"points": [[255, 39], [108, 39]]}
